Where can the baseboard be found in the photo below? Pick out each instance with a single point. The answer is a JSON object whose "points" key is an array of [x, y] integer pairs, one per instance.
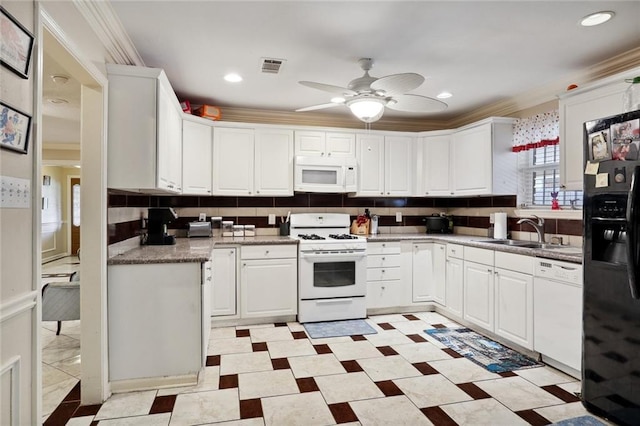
{"points": [[232, 321], [149, 383], [54, 257]]}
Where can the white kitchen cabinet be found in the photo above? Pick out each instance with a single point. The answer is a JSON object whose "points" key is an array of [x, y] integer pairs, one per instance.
{"points": [[145, 146], [384, 165], [514, 306], [207, 281], [250, 162], [454, 286], [433, 169], [428, 272], [223, 293], [482, 162], [384, 275], [597, 100], [268, 285], [197, 157], [479, 287], [324, 144]]}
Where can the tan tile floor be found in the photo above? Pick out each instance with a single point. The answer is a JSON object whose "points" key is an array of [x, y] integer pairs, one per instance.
{"points": [[276, 375]]}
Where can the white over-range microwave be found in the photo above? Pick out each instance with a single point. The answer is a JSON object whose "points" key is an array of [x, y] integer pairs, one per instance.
{"points": [[324, 174]]}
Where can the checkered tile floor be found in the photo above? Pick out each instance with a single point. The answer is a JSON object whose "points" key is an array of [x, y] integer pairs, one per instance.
{"points": [[275, 375]]}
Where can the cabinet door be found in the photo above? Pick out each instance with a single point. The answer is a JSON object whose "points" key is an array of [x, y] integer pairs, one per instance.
{"points": [[472, 161], [274, 162], [197, 156], [175, 146], [310, 143], [514, 306], [163, 154], [223, 293], [341, 144], [423, 272], [398, 157], [435, 178], [454, 286], [370, 155], [233, 161], [439, 273], [574, 111], [268, 288], [478, 294]]}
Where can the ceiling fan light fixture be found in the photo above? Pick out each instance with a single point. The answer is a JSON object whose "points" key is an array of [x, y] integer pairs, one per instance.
{"points": [[444, 95], [338, 100], [233, 78], [596, 18], [367, 109]]}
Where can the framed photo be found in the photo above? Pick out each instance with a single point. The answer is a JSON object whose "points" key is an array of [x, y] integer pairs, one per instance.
{"points": [[628, 130], [599, 146], [14, 129], [16, 46]]}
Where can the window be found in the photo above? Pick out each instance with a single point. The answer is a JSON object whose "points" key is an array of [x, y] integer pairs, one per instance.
{"points": [[76, 205]]}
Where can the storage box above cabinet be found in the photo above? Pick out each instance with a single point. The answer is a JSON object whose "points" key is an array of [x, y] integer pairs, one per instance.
{"points": [[144, 131], [325, 144]]}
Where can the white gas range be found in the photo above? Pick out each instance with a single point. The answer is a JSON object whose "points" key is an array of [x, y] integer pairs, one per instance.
{"points": [[331, 267]]}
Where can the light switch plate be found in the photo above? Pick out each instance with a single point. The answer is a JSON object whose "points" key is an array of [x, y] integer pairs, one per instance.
{"points": [[398, 216], [15, 192], [272, 219]]}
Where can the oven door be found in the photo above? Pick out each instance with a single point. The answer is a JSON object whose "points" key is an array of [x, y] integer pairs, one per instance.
{"points": [[332, 274]]}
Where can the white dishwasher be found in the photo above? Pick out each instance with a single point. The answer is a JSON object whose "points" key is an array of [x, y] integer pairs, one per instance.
{"points": [[557, 312]]}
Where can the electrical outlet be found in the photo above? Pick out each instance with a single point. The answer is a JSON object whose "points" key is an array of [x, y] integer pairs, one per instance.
{"points": [[272, 219], [202, 217], [398, 216], [492, 218]]}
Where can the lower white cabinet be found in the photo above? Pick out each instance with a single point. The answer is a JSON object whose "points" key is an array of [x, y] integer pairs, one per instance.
{"points": [[478, 294], [384, 275], [454, 281], [514, 306], [428, 272], [223, 293], [269, 284]]}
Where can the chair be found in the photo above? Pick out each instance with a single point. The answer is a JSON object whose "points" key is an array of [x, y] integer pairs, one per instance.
{"points": [[61, 301]]}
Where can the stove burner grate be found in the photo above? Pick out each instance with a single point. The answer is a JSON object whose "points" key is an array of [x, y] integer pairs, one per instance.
{"points": [[311, 237], [343, 237]]}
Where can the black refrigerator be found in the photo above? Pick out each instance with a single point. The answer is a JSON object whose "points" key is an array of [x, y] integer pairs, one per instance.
{"points": [[611, 314]]}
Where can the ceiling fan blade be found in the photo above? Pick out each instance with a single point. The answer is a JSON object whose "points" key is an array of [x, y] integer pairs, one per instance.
{"points": [[416, 103], [315, 107], [329, 88], [397, 84]]}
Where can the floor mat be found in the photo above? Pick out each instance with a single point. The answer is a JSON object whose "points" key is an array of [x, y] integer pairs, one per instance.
{"points": [[482, 350], [580, 421], [318, 330]]}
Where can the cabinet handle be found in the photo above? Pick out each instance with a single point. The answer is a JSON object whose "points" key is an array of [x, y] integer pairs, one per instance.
{"points": [[249, 192], [426, 193], [489, 271], [382, 193], [383, 287], [451, 193], [266, 252], [441, 247], [383, 258], [209, 268], [388, 193], [383, 271], [257, 192], [244, 265], [208, 278], [329, 154], [322, 154], [231, 252], [384, 245]]}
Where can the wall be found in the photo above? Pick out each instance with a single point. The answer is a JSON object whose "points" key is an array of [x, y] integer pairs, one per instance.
{"points": [[17, 293]]}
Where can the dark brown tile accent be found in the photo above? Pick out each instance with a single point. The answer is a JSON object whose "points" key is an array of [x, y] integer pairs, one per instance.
{"points": [[139, 201], [74, 394], [570, 227], [87, 410], [388, 221], [533, 418], [456, 202], [218, 202], [163, 404], [387, 350], [116, 200], [351, 366], [243, 333], [259, 347], [480, 202], [413, 220], [250, 408], [417, 338], [228, 382], [179, 201], [325, 200], [507, 374], [307, 384], [411, 317], [255, 202], [512, 224], [437, 416], [358, 337], [299, 335], [123, 231], [453, 353], [473, 391], [425, 368], [322, 349], [389, 388], [280, 364], [420, 202], [479, 222], [213, 360], [386, 326], [62, 414], [439, 326], [342, 413], [390, 202], [280, 324], [258, 221], [298, 200], [460, 221], [94, 423], [359, 202], [558, 392], [505, 201]]}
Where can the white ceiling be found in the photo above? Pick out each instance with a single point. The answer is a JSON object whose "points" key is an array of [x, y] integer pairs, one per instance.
{"points": [[484, 52]]}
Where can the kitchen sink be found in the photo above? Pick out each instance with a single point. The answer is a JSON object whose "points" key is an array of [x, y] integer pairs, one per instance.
{"points": [[523, 244]]}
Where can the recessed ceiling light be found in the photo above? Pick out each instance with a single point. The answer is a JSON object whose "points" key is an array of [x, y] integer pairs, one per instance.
{"points": [[233, 78], [337, 100], [57, 101], [596, 18], [444, 95], [60, 79]]}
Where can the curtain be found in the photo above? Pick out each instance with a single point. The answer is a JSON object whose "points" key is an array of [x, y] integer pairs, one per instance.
{"points": [[537, 131]]}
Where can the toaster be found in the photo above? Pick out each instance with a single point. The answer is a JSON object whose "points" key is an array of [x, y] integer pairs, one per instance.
{"points": [[199, 229]]}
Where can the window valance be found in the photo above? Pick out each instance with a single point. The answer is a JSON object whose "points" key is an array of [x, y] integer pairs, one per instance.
{"points": [[536, 132]]}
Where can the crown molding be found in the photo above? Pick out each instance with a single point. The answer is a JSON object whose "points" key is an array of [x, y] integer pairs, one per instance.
{"points": [[107, 26]]}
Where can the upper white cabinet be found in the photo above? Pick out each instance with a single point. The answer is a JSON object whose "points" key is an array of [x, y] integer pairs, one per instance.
{"points": [[144, 130], [482, 162], [384, 165], [197, 157], [598, 100], [252, 162], [433, 176], [325, 144]]}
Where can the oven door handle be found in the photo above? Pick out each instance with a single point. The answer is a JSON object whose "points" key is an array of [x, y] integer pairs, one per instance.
{"points": [[332, 257]]}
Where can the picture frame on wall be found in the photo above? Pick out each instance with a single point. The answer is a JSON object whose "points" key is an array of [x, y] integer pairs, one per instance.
{"points": [[599, 146], [15, 127], [17, 44]]}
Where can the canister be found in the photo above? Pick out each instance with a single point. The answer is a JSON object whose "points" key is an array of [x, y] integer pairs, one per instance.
{"points": [[216, 226], [227, 228], [238, 231], [249, 230]]}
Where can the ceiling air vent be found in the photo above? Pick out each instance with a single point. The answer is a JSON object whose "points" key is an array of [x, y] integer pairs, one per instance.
{"points": [[271, 65]]}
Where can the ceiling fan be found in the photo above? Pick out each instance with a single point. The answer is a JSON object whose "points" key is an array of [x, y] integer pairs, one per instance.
{"points": [[367, 96]]}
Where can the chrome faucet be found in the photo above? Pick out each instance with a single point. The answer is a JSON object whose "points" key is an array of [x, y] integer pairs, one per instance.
{"points": [[539, 227]]}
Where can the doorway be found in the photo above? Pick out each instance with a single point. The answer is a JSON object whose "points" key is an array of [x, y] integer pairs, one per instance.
{"points": [[74, 208]]}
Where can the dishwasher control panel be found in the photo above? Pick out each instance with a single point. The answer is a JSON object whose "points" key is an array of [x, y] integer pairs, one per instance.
{"points": [[559, 271]]}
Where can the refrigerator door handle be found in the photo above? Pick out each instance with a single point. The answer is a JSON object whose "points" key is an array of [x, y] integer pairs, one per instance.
{"points": [[632, 237]]}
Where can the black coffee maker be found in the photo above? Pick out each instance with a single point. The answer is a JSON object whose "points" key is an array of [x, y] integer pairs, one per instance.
{"points": [[159, 217]]}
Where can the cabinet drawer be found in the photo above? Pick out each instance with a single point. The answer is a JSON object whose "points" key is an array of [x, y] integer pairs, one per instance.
{"points": [[384, 294], [382, 260], [514, 262], [282, 251], [478, 255], [384, 248], [455, 251], [383, 274]]}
